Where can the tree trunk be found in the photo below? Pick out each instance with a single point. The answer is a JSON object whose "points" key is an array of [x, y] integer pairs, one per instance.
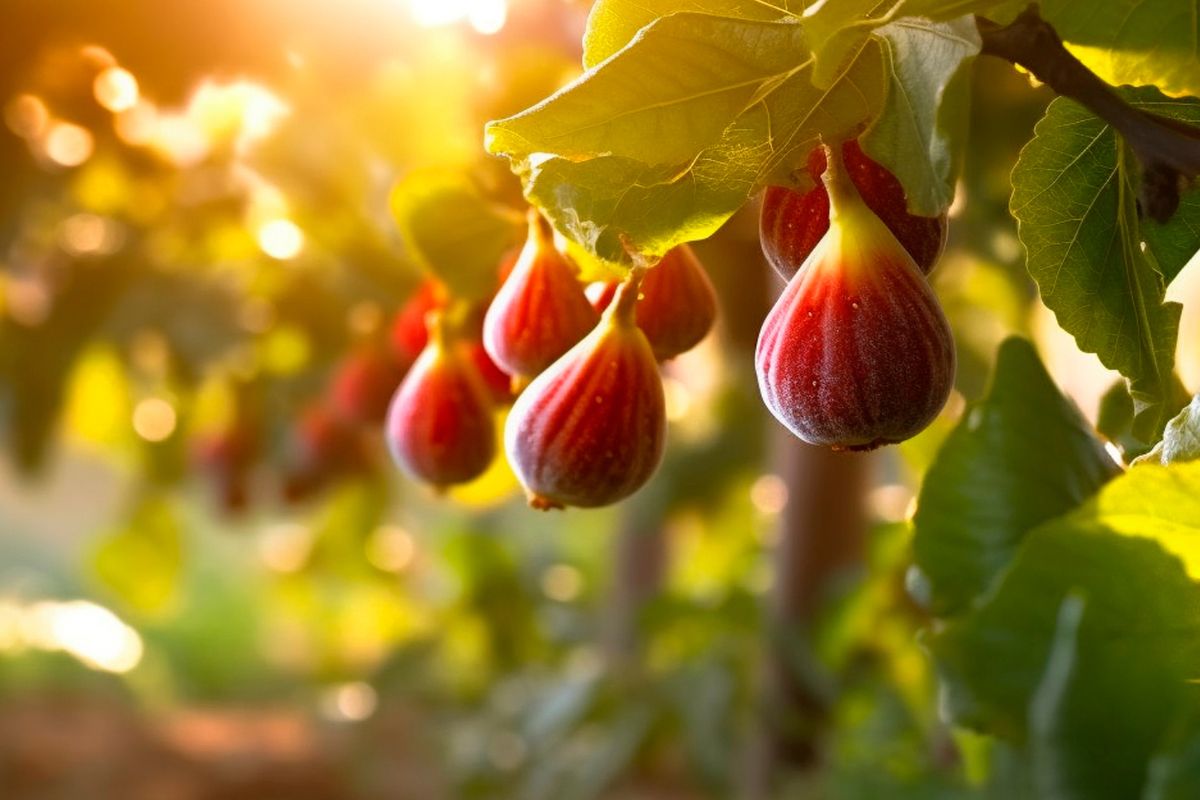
{"points": [[821, 534]]}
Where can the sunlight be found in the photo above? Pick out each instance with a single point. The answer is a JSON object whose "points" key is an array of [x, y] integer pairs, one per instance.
{"points": [[116, 89], [281, 239], [485, 16], [89, 632]]}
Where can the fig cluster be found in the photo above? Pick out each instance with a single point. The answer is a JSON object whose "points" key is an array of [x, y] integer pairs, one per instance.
{"points": [[589, 423], [856, 353]]}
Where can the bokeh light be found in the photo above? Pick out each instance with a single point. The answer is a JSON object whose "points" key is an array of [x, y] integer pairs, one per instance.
{"points": [[68, 145], [281, 239], [116, 89], [154, 419]]}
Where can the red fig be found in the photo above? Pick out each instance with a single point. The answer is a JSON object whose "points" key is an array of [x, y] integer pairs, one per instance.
{"points": [[440, 426], [678, 304], [540, 310], [323, 448], [793, 222], [856, 353], [497, 381], [363, 385], [409, 334], [601, 293], [589, 430]]}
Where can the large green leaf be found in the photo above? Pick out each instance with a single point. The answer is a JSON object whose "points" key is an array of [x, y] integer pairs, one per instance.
{"points": [[1135, 41], [921, 131], [1181, 439], [1074, 196], [642, 192], [1093, 680], [1022, 456], [454, 232], [670, 92], [1135, 648], [612, 24]]}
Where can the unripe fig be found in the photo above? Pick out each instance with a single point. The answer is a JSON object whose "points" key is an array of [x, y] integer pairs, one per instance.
{"points": [[589, 430], [363, 384], [678, 304], [540, 310], [793, 222], [440, 426], [409, 334], [856, 353]]}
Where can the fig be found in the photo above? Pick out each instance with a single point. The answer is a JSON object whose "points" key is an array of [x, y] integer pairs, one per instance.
{"points": [[409, 334], [793, 222], [440, 426], [229, 455], [678, 304], [589, 430], [497, 381], [323, 448], [363, 384], [601, 293], [540, 310], [857, 352]]}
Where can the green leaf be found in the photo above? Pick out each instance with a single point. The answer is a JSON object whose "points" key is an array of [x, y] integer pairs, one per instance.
{"points": [[142, 561], [453, 231], [1092, 680], [1075, 201], [1181, 439], [612, 201], [1020, 457], [920, 133], [1175, 772], [1150, 42], [1124, 554], [612, 24], [671, 92], [1001, 11], [839, 30]]}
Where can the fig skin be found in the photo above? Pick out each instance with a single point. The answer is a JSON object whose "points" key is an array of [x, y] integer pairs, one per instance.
{"points": [[440, 427], [540, 311], [678, 304], [793, 222], [590, 430], [324, 448], [363, 385], [409, 334], [857, 352]]}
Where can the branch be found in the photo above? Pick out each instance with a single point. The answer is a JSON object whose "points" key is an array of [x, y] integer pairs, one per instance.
{"points": [[1168, 150]]}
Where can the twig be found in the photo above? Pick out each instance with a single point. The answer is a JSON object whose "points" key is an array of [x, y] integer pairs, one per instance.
{"points": [[1168, 150]]}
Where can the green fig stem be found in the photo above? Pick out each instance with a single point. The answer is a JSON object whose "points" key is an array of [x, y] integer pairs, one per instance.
{"points": [[624, 304], [842, 194]]}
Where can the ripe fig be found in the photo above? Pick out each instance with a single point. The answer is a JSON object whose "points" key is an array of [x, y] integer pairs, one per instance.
{"points": [[440, 426], [856, 353], [601, 293], [497, 381], [409, 334], [793, 222], [678, 304], [589, 430], [540, 310], [322, 449], [363, 384]]}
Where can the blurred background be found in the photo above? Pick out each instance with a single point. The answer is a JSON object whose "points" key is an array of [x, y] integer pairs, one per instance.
{"points": [[214, 584]]}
